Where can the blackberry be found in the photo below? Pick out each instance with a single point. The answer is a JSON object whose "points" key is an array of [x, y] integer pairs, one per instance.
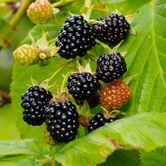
{"points": [[61, 120], [34, 101], [115, 29], [98, 121], [110, 67], [82, 85], [94, 100], [75, 37]]}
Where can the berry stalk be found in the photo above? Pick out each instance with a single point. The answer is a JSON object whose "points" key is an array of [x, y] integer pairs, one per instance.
{"points": [[61, 3], [64, 81], [55, 74], [104, 45], [17, 17]]}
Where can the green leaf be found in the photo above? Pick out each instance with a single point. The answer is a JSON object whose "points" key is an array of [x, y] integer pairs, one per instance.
{"points": [[19, 160], [30, 147], [152, 159], [126, 6], [6, 119], [147, 58], [123, 157], [146, 131]]}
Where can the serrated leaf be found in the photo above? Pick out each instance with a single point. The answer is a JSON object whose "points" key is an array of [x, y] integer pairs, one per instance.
{"points": [[126, 6], [147, 57], [123, 157], [19, 160], [146, 131], [152, 159], [30, 147]]}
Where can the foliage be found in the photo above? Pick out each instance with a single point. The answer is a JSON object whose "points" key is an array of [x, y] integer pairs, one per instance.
{"points": [[136, 139]]}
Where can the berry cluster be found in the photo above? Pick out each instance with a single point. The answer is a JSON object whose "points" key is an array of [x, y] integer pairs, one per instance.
{"points": [[98, 121], [62, 121], [110, 67], [34, 101], [75, 37], [114, 30], [82, 86]]}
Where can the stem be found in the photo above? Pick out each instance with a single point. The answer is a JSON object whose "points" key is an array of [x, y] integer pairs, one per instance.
{"points": [[52, 40], [101, 10], [20, 13], [61, 3], [87, 3], [64, 80], [104, 45], [55, 74]]}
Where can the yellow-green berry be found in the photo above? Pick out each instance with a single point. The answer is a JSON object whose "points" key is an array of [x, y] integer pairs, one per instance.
{"points": [[40, 12], [26, 55]]}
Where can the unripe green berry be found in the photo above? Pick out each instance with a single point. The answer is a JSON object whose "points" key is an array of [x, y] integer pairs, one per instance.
{"points": [[26, 55], [40, 12]]}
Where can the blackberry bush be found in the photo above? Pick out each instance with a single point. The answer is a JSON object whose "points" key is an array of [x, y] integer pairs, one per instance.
{"points": [[34, 101], [98, 121], [115, 29], [110, 67], [75, 37], [61, 120], [82, 86]]}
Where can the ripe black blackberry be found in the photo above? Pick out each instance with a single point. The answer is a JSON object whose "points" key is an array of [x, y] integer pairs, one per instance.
{"points": [[110, 67], [34, 101], [94, 100], [98, 121], [61, 120], [82, 85], [75, 37], [115, 29]]}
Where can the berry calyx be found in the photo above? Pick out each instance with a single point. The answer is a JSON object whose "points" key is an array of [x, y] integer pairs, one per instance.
{"points": [[115, 29], [115, 95], [26, 55], [75, 37], [34, 101], [110, 67], [48, 137], [40, 12], [82, 85], [62, 121]]}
